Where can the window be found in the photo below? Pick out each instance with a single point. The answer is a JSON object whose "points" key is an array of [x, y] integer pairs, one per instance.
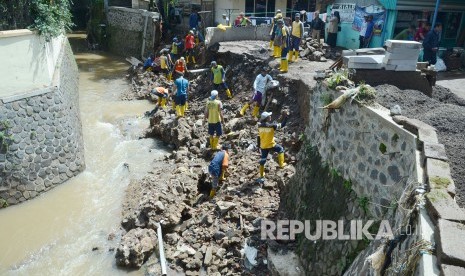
{"points": [[260, 8]]}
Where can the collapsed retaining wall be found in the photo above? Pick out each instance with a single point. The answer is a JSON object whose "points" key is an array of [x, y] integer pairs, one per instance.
{"points": [[45, 147], [359, 163], [215, 35], [126, 31]]}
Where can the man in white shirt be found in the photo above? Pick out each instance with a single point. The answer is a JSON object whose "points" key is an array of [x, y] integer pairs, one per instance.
{"points": [[259, 87]]}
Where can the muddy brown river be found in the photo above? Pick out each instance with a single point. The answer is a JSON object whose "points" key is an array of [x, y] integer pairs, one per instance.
{"points": [[55, 233]]}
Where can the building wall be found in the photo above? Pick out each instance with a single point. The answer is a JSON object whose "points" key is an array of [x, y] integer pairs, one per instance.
{"points": [[45, 146], [126, 31], [28, 62], [239, 5]]}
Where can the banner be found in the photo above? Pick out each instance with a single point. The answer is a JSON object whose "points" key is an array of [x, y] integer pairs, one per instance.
{"points": [[346, 11], [379, 17]]}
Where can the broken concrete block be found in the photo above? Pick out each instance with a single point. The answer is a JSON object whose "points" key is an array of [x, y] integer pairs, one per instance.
{"points": [[374, 59], [410, 52], [370, 51], [347, 53], [428, 135], [449, 238], [438, 174], [224, 206], [403, 56], [434, 151], [377, 66], [441, 205], [405, 62], [405, 44], [451, 270]]}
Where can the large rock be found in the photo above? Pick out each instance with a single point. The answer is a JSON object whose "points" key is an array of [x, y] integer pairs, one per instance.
{"points": [[136, 247], [449, 237], [284, 265]]}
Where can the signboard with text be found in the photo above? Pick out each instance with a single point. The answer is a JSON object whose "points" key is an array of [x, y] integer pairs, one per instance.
{"points": [[346, 11]]}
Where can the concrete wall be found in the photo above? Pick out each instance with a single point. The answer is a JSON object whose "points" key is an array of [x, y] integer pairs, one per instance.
{"points": [[126, 31], [214, 35], [46, 146], [28, 61], [358, 163]]}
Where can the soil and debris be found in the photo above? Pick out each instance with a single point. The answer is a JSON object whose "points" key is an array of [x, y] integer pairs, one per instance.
{"points": [[213, 235], [446, 112]]}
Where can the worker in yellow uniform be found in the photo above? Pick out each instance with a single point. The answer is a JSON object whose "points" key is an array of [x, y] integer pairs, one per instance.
{"points": [[296, 36], [284, 42], [218, 76], [274, 25], [166, 63], [266, 142], [214, 117], [218, 167]]}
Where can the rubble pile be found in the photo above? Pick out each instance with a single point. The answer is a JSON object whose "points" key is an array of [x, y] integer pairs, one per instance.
{"points": [[213, 234], [314, 51]]}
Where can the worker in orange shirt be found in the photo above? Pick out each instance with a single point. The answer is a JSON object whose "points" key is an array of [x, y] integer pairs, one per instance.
{"points": [[189, 45]]}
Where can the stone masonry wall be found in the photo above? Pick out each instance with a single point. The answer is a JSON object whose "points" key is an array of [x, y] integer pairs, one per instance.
{"points": [[356, 163], [126, 30], [46, 146]]}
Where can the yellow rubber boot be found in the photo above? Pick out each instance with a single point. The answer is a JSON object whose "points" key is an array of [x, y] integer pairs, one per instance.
{"points": [[193, 60], [256, 111], [178, 111], [290, 56], [228, 93], [173, 105], [163, 103], [281, 160], [222, 178], [271, 44], [244, 109], [276, 51], [280, 51], [296, 55], [262, 171], [187, 59], [211, 142], [170, 77], [183, 110], [284, 66], [212, 192], [187, 106], [216, 141]]}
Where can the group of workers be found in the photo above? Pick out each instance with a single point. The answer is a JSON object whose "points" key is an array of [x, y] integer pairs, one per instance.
{"points": [[285, 40], [214, 117]]}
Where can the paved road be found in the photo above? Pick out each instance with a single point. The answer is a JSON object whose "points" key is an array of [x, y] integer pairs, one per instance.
{"points": [[454, 81]]}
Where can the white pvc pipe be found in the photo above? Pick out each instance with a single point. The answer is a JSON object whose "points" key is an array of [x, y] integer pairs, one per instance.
{"points": [[162, 252]]}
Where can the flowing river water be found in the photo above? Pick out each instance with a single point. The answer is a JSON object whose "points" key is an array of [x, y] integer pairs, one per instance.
{"points": [[55, 233]]}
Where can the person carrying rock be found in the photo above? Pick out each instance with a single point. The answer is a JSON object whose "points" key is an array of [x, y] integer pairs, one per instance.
{"points": [[259, 87], [265, 139], [218, 75], [214, 117], [296, 36], [274, 25], [218, 167], [189, 46], [162, 94], [180, 98]]}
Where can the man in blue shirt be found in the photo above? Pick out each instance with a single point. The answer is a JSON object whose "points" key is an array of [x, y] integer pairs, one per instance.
{"points": [[149, 62], [217, 168], [194, 20], [180, 98], [369, 31], [431, 44]]}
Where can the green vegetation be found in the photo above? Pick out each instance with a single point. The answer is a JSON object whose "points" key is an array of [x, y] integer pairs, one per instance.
{"points": [[338, 78], [395, 138], [382, 148], [366, 94], [3, 203], [5, 136], [51, 17], [363, 203], [348, 184], [326, 99]]}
